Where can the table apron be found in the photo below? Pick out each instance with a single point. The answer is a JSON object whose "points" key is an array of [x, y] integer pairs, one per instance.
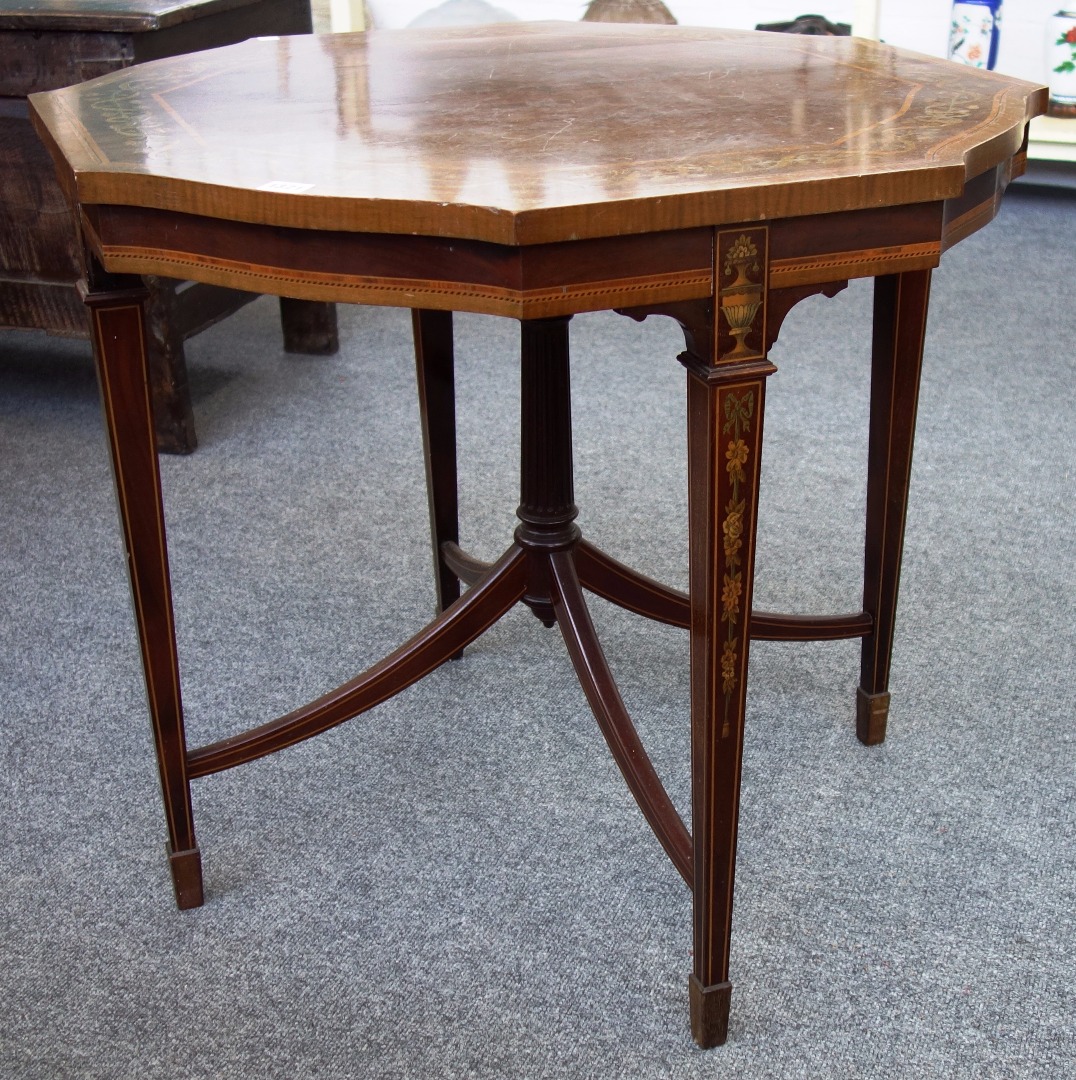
{"points": [[536, 281]]}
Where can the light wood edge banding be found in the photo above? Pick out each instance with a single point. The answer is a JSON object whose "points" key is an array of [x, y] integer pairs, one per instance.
{"points": [[838, 265], [527, 303], [969, 222], [413, 292]]}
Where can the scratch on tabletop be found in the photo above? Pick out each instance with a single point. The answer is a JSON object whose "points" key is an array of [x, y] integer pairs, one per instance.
{"points": [[559, 131]]}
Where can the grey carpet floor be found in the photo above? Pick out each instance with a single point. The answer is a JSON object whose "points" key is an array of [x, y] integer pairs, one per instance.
{"points": [[457, 884]]}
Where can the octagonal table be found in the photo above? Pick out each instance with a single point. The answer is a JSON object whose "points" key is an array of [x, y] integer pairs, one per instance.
{"points": [[537, 171]]}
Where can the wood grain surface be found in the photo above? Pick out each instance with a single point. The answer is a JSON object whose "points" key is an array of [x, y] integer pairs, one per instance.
{"points": [[535, 132]]}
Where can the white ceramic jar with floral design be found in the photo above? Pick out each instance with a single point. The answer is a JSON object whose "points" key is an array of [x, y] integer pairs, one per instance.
{"points": [[1061, 62], [974, 32]]}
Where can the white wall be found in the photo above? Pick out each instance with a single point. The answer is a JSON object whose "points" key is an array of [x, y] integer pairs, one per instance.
{"points": [[1024, 38], [922, 25], [734, 14], [745, 16]]}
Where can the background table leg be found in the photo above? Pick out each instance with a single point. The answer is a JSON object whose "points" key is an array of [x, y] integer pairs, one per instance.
{"points": [[309, 326], [900, 316], [119, 341], [173, 414], [435, 368]]}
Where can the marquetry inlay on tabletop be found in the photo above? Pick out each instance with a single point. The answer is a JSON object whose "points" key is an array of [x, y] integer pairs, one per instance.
{"points": [[533, 133]]}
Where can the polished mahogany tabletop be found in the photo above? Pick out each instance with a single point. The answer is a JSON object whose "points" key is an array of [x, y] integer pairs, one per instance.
{"points": [[534, 133]]}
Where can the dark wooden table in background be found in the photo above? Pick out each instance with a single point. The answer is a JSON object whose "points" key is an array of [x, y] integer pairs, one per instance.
{"points": [[47, 44], [537, 171]]}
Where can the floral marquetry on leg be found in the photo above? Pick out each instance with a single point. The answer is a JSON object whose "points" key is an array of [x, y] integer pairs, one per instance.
{"points": [[727, 368]]}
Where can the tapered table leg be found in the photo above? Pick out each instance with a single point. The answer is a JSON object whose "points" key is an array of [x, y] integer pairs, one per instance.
{"points": [[727, 368], [435, 369], [900, 316], [116, 308], [725, 410]]}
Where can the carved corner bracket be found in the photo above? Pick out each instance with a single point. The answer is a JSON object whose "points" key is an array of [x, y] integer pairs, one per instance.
{"points": [[729, 328]]}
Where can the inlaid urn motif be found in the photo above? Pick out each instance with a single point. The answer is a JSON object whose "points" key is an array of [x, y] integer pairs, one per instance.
{"points": [[742, 297]]}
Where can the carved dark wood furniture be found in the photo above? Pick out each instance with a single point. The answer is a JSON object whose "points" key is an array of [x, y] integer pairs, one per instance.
{"points": [[45, 44], [808, 24], [536, 171]]}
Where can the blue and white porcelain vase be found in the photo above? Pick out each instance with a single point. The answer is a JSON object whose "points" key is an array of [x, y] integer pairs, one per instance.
{"points": [[975, 32], [1061, 62]]}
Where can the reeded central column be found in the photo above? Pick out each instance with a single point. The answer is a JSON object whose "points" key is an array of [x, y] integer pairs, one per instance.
{"points": [[547, 509]]}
